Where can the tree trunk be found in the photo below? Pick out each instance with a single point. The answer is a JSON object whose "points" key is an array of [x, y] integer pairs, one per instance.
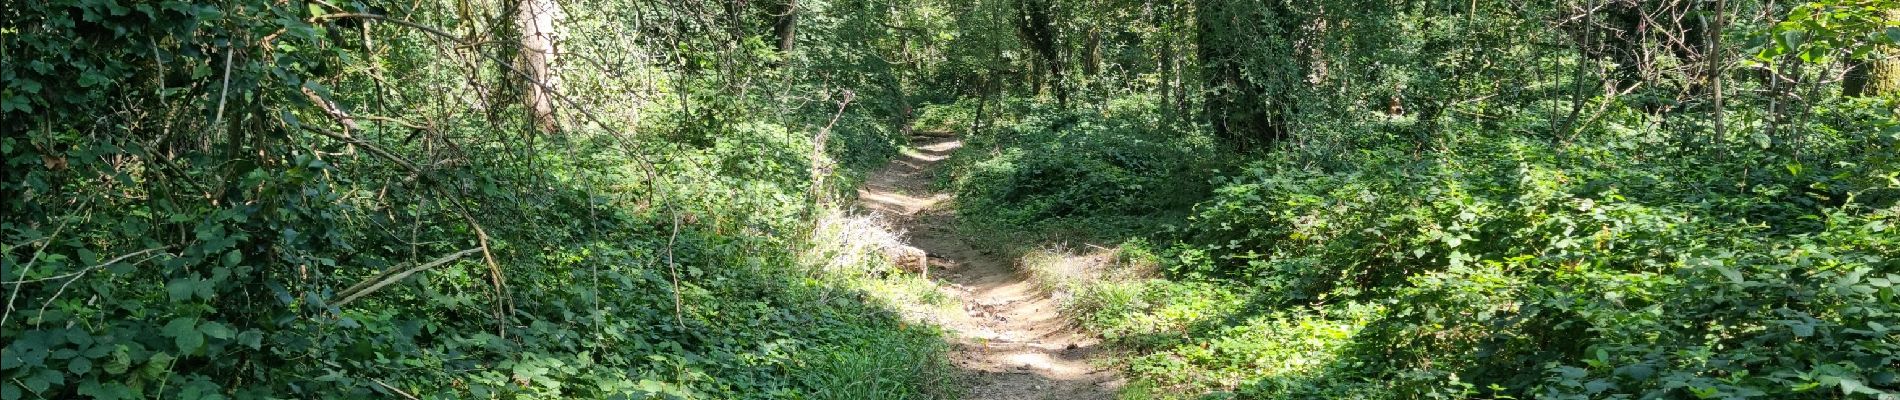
{"points": [[536, 18], [1879, 75], [1165, 81], [1035, 77], [1038, 29], [1715, 70], [902, 118], [787, 26], [1230, 42], [1093, 65]]}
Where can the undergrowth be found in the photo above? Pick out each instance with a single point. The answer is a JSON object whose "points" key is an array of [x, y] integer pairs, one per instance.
{"points": [[1495, 267], [1103, 174]]}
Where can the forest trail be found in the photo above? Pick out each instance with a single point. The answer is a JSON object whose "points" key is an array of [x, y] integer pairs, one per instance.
{"points": [[1009, 335]]}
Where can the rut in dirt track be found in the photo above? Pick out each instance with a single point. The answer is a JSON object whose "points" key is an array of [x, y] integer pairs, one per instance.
{"points": [[1010, 337]]}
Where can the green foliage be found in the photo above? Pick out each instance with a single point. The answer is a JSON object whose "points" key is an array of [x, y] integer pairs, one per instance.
{"points": [[190, 190], [1820, 30], [1438, 199], [1507, 269], [1480, 199], [1054, 168]]}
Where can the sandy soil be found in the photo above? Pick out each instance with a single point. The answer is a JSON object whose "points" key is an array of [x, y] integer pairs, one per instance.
{"points": [[1010, 337]]}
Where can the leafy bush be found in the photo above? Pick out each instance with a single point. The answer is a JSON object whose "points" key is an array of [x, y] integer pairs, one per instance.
{"points": [[1077, 169], [1501, 270], [1505, 266], [188, 215]]}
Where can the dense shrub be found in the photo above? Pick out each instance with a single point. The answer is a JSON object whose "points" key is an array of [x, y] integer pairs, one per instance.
{"points": [[1498, 266], [1520, 271], [1054, 168], [254, 199]]}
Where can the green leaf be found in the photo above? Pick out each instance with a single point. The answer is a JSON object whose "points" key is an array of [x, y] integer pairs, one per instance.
{"points": [[91, 78], [105, 391], [10, 102], [1792, 39], [1597, 386], [181, 289], [1893, 34], [28, 85], [232, 258], [252, 339], [46, 378], [79, 366], [1803, 329], [216, 330], [35, 384], [1732, 274], [1815, 55], [184, 332], [1638, 371], [158, 365], [121, 360], [1850, 386]]}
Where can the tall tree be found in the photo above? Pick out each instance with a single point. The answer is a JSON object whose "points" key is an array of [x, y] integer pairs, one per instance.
{"points": [[1249, 70], [1163, 18], [535, 19], [786, 27], [1038, 28]]}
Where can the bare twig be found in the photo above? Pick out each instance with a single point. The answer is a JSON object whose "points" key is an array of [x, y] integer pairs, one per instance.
{"points": [[74, 278], [378, 151], [481, 235], [334, 111], [405, 395], [678, 316], [397, 121], [818, 168], [69, 282], [425, 28], [8, 311], [87, 269], [226, 87]]}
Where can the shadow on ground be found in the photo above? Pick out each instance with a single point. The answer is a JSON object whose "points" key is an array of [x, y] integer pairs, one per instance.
{"points": [[1009, 336]]}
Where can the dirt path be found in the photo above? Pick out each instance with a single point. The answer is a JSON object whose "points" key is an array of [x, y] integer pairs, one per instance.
{"points": [[1009, 335]]}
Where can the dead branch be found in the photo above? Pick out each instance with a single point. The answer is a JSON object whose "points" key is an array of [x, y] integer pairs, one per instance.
{"points": [[390, 276]]}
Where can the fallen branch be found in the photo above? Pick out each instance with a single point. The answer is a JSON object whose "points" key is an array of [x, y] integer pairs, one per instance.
{"points": [[481, 235], [504, 305], [390, 276]]}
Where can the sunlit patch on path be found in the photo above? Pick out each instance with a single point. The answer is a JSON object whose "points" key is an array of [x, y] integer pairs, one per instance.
{"points": [[1010, 337]]}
